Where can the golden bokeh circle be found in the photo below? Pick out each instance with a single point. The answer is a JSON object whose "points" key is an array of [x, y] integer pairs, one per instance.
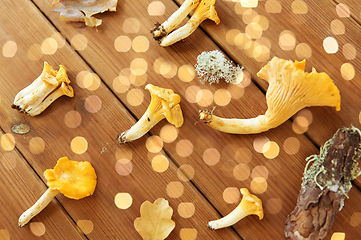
{"points": [[291, 145], [93, 104], [204, 98], [79, 145], [188, 234], [231, 195], [186, 73], [160, 163], [7, 142], [175, 189], [154, 144], [259, 185], [156, 8], [122, 43], [185, 172], [241, 172], [222, 97], [72, 119], [186, 209], [211, 156], [184, 148], [86, 226], [191, 93], [168, 133], [123, 200], [37, 228], [347, 71], [9, 49], [79, 42], [135, 97], [36, 145]]}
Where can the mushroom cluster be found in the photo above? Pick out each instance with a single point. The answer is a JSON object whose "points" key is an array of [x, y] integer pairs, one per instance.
{"points": [[49, 86]]}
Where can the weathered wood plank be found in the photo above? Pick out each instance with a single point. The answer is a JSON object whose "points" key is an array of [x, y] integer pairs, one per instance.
{"points": [[53, 132], [285, 171]]}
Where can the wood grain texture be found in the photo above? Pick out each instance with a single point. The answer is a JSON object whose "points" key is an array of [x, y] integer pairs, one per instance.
{"points": [[210, 183]]}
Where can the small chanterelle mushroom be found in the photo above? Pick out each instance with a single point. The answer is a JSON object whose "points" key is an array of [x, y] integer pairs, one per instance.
{"points": [[74, 179], [250, 205], [49, 86], [164, 104], [290, 90]]}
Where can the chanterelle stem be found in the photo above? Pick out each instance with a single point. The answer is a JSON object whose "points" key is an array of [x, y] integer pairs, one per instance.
{"points": [[43, 201], [234, 125]]}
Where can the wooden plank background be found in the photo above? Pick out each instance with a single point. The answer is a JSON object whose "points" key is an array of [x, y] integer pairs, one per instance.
{"points": [[103, 111]]}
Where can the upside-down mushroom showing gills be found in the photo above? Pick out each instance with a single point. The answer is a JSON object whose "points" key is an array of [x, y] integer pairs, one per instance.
{"points": [[74, 179], [164, 104], [290, 90]]}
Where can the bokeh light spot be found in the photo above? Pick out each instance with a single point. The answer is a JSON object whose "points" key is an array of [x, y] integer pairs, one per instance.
{"points": [[347, 71], [355, 219], [253, 30], [121, 84], [8, 161], [86, 226], [186, 209], [7, 142], [160, 163], [300, 125], [59, 38], [338, 236], [248, 15], [184, 148], [122, 43], [139, 66], [123, 167], [175, 189], [72, 119], [342, 10], [211, 156], [34, 52], [168, 69], [185, 172], [303, 51], [79, 42], [271, 150], [91, 81], [135, 97], [188, 234], [79, 145], [259, 185], [241, 172], [191, 93], [236, 91], [337, 27], [49, 46], [168, 133], [222, 97], [186, 73], [273, 6], [274, 205], [122, 153], [123, 200], [156, 8], [36, 145], [291, 145], [287, 40], [231, 36], [37, 228], [259, 142], [154, 144], [204, 98], [260, 171], [9, 49], [231, 195], [140, 44], [93, 104], [299, 7], [131, 25], [349, 51], [330, 45]]}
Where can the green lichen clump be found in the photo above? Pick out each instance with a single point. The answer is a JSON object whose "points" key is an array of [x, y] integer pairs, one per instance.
{"points": [[213, 66]]}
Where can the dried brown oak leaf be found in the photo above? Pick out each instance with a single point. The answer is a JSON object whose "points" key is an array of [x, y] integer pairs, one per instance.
{"points": [[155, 221], [325, 186], [83, 10]]}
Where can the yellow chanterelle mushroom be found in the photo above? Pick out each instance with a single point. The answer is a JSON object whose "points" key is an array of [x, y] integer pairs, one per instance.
{"points": [[250, 205], [290, 90], [74, 179], [164, 104]]}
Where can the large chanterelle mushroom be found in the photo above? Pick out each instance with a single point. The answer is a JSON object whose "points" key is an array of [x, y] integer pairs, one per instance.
{"points": [[74, 179], [290, 90]]}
